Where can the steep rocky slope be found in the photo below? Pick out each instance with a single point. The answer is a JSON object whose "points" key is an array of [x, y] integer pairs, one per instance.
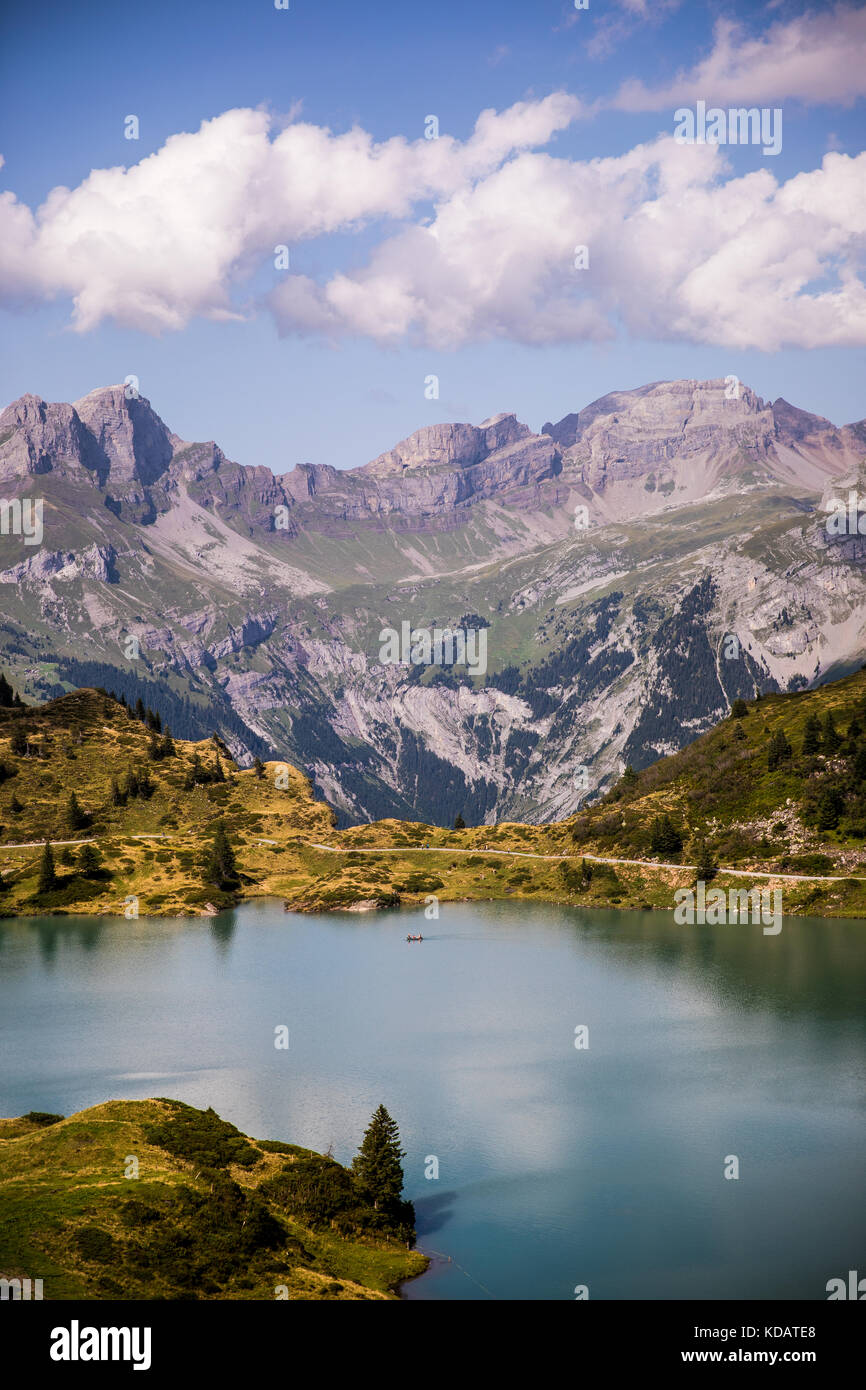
{"points": [[635, 567]]}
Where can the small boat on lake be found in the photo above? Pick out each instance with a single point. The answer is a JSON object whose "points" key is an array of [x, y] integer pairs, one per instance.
{"points": [[414, 938]]}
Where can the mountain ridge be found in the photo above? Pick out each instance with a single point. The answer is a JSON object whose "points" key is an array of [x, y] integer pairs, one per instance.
{"points": [[609, 561]]}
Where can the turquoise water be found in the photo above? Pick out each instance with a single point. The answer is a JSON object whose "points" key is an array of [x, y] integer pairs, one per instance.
{"points": [[557, 1167]]}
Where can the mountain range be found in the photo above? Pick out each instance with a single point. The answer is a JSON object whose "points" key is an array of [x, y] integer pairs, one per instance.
{"points": [[636, 566]]}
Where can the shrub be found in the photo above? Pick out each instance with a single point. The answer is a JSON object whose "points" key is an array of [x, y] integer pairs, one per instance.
{"points": [[203, 1138], [95, 1244]]}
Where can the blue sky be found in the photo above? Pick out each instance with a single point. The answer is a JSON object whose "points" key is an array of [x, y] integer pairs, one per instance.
{"points": [[299, 378]]}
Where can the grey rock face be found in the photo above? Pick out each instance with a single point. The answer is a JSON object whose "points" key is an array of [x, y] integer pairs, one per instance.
{"points": [[606, 645], [135, 443]]}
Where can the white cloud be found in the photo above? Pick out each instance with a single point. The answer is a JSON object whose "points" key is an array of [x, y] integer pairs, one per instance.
{"points": [[676, 251], [165, 240], [474, 240], [817, 57]]}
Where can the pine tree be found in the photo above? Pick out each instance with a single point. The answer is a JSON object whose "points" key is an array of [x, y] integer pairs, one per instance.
{"points": [[132, 786], [222, 867], [459, 822], [739, 709], [217, 775], [196, 774], [154, 751], [811, 736], [259, 768], [167, 748], [377, 1165], [47, 876], [89, 860], [830, 734], [779, 749], [629, 777], [705, 864], [139, 709], [146, 784], [76, 819], [7, 694], [664, 836]]}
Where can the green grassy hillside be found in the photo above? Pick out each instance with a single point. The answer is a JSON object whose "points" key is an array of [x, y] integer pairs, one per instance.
{"points": [[211, 1214], [154, 841], [777, 790]]}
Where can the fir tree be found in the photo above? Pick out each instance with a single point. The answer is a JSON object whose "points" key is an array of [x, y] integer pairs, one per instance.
{"points": [[459, 822], [629, 777], [778, 751], [222, 866], [377, 1165], [196, 774], [705, 864], [146, 784], [131, 786], [830, 735], [139, 709], [830, 804], [259, 768], [167, 748], [217, 775], [7, 694], [47, 876], [664, 836], [739, 709], [76, 819], [811, 736], [89, 860]]}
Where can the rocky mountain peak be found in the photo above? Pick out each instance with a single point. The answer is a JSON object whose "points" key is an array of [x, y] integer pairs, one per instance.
{"points": [[38, 436], [136, 445], [449, 445]]}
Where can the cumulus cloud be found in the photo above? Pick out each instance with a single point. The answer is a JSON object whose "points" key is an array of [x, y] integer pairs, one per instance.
{"points": [[167, 239], [472, 240], [816, 57], [676, 250]]}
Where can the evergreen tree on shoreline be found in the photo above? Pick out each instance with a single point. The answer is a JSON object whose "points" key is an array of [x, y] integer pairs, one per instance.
{"points": [[377, 1165], [47, 875], [222, 869]]}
